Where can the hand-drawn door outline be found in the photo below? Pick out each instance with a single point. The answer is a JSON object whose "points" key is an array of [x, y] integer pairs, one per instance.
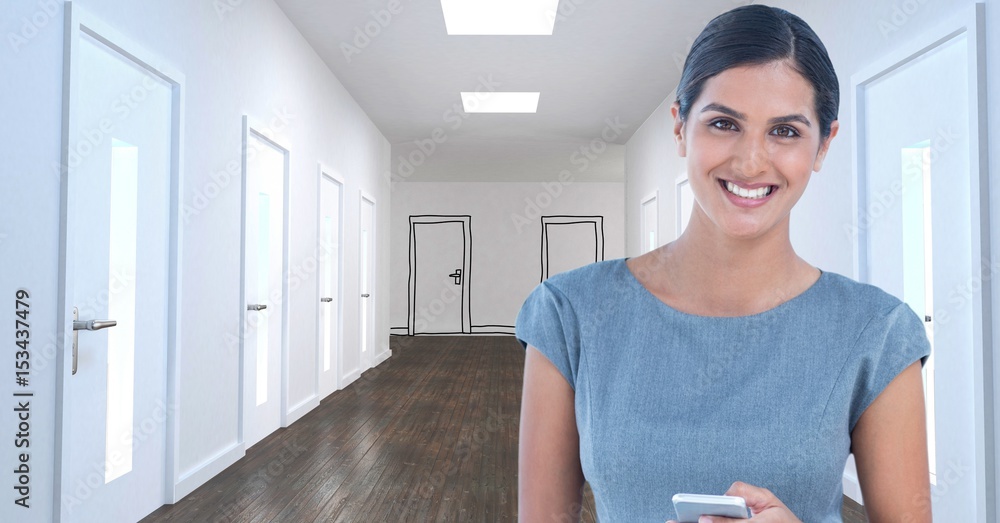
{"points": [[460, 274], [598, 222]]}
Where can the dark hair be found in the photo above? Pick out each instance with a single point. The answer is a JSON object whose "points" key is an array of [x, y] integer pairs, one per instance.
{"points": [[756, 35]]}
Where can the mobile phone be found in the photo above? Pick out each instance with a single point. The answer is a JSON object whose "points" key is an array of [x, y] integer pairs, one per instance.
{"points": [[689, 507]]}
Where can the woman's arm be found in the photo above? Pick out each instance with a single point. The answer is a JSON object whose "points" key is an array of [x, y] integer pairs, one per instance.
{"points": [[549, 478], [889, 443]]}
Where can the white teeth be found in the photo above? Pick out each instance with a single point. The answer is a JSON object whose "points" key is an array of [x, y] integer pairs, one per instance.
{"points": [[751, 194]]}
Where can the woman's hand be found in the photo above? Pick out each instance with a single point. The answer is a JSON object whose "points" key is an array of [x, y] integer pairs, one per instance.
{"points": [[765, 506]]}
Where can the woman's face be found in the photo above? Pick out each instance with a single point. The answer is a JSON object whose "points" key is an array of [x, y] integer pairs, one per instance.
{"points": [[753, 130]]}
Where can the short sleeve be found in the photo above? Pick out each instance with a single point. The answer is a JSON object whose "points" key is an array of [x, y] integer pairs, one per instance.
{"points": [[548, 322], [889, 344]]}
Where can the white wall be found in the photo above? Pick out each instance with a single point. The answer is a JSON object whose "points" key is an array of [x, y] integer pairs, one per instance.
{"points": [[506, 236], [856, 33], [238, 58], [651, 164]]}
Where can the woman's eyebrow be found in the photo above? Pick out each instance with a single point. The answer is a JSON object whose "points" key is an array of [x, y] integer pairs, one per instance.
{"points": [[740, 116]]}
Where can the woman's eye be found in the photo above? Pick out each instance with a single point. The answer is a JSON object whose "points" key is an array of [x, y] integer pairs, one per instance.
{"points": [[786, 132], [723, 125]]}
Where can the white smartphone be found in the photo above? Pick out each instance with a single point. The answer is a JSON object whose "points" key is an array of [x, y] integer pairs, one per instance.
{"points": [[689, 507]]}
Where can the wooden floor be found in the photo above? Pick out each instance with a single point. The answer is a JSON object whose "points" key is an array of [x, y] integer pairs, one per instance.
{"points": [[428, 435]]}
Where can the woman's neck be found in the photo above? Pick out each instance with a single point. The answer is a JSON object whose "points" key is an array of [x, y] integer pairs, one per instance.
{"points": [[706, 272]]}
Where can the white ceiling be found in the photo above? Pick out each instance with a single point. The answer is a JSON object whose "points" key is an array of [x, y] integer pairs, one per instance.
{"points": [[607, 59]]}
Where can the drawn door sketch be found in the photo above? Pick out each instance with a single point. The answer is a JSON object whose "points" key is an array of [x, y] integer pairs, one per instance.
{"points": [[440, 259], [569, 242]]}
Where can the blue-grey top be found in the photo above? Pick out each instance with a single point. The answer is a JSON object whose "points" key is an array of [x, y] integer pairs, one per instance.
{"points": [[669, 402]]}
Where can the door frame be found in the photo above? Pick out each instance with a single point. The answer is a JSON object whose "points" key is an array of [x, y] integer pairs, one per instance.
{"points": [[263, 132], [411, 301], [330, 174], [653, 196], [79, 20], [563, 219], [970, 21], [363, 196]]}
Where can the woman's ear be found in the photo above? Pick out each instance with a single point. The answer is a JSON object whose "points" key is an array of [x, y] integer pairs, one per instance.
{"points": [[675, 111], [824, 147]]}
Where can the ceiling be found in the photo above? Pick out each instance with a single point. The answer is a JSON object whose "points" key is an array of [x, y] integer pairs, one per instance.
{"points": [[607, 61]]}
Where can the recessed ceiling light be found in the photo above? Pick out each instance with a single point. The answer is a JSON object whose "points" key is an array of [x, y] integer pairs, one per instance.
{"points": [[491, 102], [500, 17]]}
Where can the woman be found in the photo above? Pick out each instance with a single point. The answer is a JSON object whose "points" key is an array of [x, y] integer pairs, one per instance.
{"points": [[722, 363]]}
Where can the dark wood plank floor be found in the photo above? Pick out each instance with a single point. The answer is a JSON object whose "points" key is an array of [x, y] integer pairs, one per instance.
{"points": [[428, 435]]}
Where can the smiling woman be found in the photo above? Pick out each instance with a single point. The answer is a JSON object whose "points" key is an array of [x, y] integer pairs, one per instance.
{"points": [[722, 362]]}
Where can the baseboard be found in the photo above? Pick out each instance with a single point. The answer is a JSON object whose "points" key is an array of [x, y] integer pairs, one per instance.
{"points": [[382, 357], [349, 378], [301, 409], [197, 477]]}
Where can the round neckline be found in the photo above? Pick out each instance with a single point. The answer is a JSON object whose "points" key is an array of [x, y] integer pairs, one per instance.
{"points": [[798, 297]]}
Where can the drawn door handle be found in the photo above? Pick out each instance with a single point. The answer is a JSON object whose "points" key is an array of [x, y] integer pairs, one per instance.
{"points": [[457, 275], [326, 300]]}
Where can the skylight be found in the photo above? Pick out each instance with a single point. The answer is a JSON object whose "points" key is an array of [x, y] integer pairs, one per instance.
{"points": [[492, 102], [500, 17]]}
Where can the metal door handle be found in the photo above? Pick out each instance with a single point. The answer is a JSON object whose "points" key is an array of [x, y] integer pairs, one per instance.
{"points": [[85, 325], [365, 295], [256, 307], [457, 275], [326, 300], [93, 325]]}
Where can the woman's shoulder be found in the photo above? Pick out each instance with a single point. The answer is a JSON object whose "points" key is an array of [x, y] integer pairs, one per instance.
{"points": [[587, 279], [863, 300]]}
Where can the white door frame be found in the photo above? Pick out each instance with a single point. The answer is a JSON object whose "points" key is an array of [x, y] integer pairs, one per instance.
{"points": [[80, 21], [655, 195], [970, 21], [338, 341], [365, 364], [411, 300], [262, 132]]}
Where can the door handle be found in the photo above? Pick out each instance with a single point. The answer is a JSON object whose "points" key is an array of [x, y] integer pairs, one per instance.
{"points": [[326, 300], [256, 307], [365, 295], [457, 275], [93, 325], [85, 325]]}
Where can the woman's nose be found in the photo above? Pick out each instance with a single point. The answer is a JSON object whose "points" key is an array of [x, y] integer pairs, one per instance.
{"points": [[751, 158]]}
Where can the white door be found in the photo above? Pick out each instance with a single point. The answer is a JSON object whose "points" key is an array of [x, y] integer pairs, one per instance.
{"points": [[438, 250], [263, 287], [117, 266], [367, 244], [330, 322], [650, 217], [921, 226]]}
